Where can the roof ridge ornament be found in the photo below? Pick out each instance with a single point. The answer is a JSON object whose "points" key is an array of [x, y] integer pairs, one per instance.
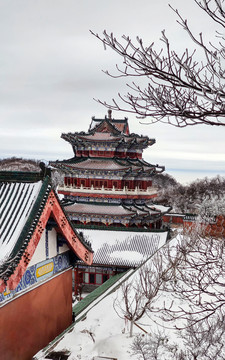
{"points": [[110, 114]]}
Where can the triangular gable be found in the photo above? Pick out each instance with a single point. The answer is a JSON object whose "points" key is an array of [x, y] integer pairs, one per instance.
{"points": [[122, 126], [106, 126], [15, 266]]}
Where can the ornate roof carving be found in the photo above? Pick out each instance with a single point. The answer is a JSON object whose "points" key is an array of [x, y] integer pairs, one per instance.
{"points": [[108, 130]]}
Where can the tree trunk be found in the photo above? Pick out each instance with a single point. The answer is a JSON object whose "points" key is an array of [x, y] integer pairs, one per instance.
{"points": [[131, 328]]}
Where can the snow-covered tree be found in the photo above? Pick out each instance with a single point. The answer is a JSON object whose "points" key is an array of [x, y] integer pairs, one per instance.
{"points": [[198, 283], [190, 302], [181, 89], [139, 296]]}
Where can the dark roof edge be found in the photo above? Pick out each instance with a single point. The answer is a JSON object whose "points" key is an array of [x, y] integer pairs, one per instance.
{"points": [[114, 228], [26, 176]]}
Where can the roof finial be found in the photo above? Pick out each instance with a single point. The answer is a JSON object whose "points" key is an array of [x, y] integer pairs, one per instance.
{"points": [[110, 114]]}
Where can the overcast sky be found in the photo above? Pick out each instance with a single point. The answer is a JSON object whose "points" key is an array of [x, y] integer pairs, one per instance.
{"points": [[51, 69]]}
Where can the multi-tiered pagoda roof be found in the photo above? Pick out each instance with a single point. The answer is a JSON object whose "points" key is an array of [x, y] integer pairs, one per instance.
{"points": [[107, 180]]}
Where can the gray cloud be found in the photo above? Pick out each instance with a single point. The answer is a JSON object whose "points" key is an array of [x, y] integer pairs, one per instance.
{"points": [[51, 69]]}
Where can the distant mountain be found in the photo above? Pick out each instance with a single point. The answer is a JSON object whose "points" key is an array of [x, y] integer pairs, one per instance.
{"points": [[192, 197], [19, 164], [164, 180]]}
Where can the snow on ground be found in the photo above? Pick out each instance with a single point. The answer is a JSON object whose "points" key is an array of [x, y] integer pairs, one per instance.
{"points": [[102, 333]]}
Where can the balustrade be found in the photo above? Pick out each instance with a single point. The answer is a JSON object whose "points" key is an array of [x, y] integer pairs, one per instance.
{"points": [[102, 189]]}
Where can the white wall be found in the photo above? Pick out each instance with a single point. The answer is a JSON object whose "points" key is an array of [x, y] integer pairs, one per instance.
{"points": [[52, 243], [63, 248], [40, 252]]}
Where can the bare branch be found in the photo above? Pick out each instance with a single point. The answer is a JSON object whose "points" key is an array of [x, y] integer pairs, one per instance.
{"points": [[180, 90]]}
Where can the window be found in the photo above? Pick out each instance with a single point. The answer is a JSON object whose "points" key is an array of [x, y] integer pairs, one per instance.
{"points": [[99, 279], [86, 278], [91, 278], [105, 277], [95, 277]]}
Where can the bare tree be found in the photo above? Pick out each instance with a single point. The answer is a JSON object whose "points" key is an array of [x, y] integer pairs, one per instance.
{"points": [[194, 276], [150, 347], [133, 305], [181, 90], [191, 274], [196, 197], [139, 296], [204, 341], [198, 281]]}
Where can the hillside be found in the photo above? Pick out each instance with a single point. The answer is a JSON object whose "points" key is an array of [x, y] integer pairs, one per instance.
{"points": [[191, 198], [19, 164]]}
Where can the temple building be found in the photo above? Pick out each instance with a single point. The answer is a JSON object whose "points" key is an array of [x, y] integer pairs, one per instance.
{"points": [[108, 195], [38, 249], [107, 182]]}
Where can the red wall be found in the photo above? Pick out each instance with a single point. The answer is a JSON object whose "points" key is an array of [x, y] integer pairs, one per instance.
{"points": [[175, 219], [216, 229], [30, 322]]}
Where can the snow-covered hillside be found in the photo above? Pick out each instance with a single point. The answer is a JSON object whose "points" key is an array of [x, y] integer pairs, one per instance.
{"points": [[19, 164]]}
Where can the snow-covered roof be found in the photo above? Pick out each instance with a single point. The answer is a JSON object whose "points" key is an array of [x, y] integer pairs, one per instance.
{"points": [[107, 136], [114, 213], [16, 200], [161, 208], [102, 136], [92, 164], [123, 248], [120, 124], [104, 209]]}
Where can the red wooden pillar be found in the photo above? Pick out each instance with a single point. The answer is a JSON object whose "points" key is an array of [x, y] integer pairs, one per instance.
{"points": [[76, 281], [144, 186]]}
